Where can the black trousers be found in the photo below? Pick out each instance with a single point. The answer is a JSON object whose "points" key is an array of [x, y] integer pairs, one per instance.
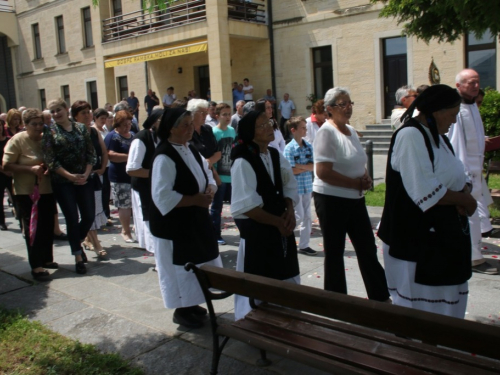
{"points": [[338, 217], [106, 193], [5, 183], [41, 252]]}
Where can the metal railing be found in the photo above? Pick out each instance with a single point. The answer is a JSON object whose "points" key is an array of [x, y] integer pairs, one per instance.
{"points": [[5, 6], [179, 13], [143, 22], [243, 10]]}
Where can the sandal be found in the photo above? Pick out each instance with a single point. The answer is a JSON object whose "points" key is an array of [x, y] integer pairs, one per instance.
{"points": [[87, 246], [101, 254]]}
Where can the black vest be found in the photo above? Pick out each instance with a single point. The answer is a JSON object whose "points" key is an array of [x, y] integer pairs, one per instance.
{"points": [[267, 252], [190, 228], [139, 184], [443, 256]]}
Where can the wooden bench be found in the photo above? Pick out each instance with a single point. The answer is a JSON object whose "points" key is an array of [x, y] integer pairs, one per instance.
{"points": [[344, 334]]}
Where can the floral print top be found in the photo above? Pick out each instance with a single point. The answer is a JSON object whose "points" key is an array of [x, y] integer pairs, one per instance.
{"points": [[71, 150]]}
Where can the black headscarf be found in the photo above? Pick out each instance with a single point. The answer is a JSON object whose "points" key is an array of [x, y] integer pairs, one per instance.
{"points": [[152, 118], [433, 99], [246, 134], [171, 117]]}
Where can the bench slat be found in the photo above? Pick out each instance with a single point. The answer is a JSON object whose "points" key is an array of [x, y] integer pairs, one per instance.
{"points": [[285, 325], [276, 314], [291, 352], [442, 330]]}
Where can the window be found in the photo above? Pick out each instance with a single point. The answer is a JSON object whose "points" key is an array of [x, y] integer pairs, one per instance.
{"points": [[88, 40], [481, 56], [36, 42], [123, 87], [60, 35], [323, 70], [92, 94], [65, 94], [43, 101], [117, 8]]}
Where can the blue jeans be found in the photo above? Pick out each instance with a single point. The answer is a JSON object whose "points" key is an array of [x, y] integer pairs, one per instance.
{"points": [[216, 209], [73, 199]]}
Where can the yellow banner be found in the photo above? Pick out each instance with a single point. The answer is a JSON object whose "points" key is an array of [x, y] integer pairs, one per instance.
{"points": [[157, 55]]}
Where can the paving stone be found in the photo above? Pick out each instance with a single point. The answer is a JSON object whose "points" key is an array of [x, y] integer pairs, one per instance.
{"points": [[181, 358], [32, 299], [9, 283], [110, 333]]}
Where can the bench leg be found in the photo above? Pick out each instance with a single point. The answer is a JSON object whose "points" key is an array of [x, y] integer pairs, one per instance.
{"points": [[217, 352], [263, 361]]}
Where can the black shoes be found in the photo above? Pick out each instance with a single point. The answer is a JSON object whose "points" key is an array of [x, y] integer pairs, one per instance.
{"points": [[185, 317], [84, 257], [3, 226], [80, 268], [308, 251], [198, 310], [51, 265], [61, 237], [41, 276]]}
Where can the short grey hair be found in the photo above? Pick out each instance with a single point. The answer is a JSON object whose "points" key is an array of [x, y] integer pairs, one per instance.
{"points": [[402, 92], [248, 107], [332, 95], [196, 104], [121, 106], [240, 103]]}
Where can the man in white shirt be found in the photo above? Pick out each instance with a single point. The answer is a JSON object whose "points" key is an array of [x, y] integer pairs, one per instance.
{"points": [[169, 98], [286, 110], [211, 116], [248, 90], [468, 140], [404, 97]]}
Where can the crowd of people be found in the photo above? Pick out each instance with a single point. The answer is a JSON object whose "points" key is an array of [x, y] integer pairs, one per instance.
{"points": [[191, 156]]}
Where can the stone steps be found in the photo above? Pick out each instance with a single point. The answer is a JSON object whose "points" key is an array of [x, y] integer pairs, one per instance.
{"points": [[380, 135]]}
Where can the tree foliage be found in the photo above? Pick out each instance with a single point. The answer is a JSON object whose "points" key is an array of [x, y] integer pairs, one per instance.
{"points": [[150, 5], [445, 20]]}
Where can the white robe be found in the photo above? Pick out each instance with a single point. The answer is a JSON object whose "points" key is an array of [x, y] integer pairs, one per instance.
{"points": [[312, 129], [245, 197], [468, 140], [411, 158], [179, 288]]}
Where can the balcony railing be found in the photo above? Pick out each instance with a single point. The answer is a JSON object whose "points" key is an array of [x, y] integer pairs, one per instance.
{"points": [[181, 12], [5, 6], [144, 22]]}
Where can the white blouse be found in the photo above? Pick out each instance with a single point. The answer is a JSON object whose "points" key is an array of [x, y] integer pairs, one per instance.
{"points": [[164, 174], [244, 196], [424, 185], [347, 155], [279, 142]]}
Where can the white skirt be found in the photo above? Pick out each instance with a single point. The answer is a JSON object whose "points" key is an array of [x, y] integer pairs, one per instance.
{"points": [[179, 288], [140, 233], [242, 303], [448, 300], [100, 217]]}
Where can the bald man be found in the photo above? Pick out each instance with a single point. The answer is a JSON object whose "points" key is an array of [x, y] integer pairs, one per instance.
{"points": [[468, 139]]}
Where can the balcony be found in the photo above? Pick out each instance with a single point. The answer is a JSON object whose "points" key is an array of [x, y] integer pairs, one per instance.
{"points": [[6, 7], [180, 13]]}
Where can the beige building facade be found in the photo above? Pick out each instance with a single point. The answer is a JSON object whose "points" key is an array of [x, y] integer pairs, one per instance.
{"points": [[117, 47]]}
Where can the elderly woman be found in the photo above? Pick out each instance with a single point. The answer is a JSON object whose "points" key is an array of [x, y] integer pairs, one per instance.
{"points": [[340, 178], [24, 158], [182, 189], [70, 155], [82, 113], [279, 142], [314, 122], [424, 227], [264, 194], [14, 122], [138, 166], [118, 144]]}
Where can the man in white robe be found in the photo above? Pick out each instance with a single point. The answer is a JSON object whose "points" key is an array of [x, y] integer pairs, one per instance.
{"points": [[468, 140]]}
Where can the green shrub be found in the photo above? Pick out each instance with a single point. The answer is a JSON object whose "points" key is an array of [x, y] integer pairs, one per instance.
{"points": [[490, 113]]}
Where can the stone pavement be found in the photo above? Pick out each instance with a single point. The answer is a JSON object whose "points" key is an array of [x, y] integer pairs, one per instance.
{"points": [[118, 307]]}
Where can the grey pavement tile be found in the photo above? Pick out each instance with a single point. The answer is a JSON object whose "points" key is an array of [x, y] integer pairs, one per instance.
{"points": [[21, 268], [8, 258], [9, 283], [32, 299], [181, 358], [110, 333], [52, 312]]}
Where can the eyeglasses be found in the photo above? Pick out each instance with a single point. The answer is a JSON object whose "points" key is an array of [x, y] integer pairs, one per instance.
{"points": [[343, 105], [264, 125]]}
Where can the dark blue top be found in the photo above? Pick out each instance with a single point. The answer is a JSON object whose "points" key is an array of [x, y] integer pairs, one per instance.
{"points": [[115, 142], [133, 102]]}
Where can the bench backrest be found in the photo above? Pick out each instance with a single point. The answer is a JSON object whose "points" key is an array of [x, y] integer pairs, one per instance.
{"points": [[469, 336]]}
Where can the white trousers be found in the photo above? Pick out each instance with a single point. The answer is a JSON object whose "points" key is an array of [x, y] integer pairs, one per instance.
{"points": [[303, 217], [482, 207]]}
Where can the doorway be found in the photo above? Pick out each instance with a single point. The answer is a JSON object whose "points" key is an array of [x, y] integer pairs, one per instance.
{"points": [[395, 70], [203, 81]]}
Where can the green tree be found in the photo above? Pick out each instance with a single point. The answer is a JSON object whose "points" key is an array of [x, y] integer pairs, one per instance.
{"points": [[147, 4], [445, 20]]}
